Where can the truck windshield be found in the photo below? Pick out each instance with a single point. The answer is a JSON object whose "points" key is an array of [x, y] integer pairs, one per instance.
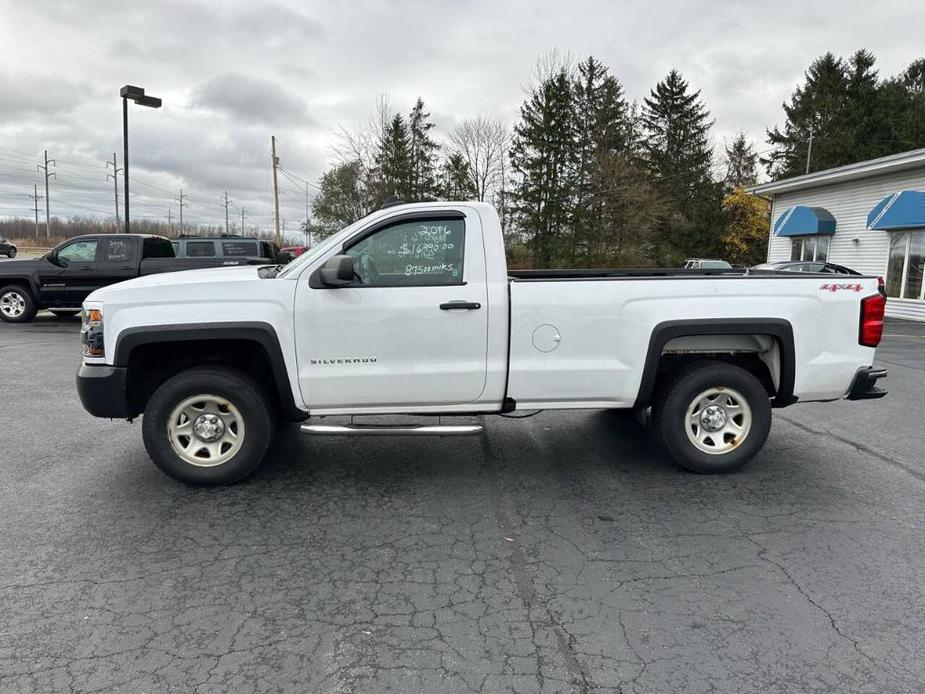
{"points": [[333, 240]]}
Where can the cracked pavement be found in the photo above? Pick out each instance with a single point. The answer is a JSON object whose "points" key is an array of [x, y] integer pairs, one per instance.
{"points": [[561, 553]]}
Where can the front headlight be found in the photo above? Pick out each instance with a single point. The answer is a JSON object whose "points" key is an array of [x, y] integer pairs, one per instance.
{"points": [[91, 333]]}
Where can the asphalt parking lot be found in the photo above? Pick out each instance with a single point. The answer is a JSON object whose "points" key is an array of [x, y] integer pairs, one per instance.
{"points": [[558, 553]]}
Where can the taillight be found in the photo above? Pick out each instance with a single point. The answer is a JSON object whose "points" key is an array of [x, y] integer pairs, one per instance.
{"points": [[872, 308]]}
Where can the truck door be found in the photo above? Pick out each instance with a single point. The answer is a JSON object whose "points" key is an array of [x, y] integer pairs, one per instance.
{"points": [[411, 331], [68, 282]]}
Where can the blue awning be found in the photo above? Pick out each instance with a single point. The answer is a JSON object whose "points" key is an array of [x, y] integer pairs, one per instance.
{"points": [[902, 210], [805, 221]]}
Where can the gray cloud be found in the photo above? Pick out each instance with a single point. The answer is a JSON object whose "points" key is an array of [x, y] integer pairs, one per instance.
{"points": [[29, 96], [250, 99], [234, 72]]}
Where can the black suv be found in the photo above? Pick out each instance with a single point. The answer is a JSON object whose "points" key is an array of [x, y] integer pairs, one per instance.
{"points": [[229, 246], [7, 248]]}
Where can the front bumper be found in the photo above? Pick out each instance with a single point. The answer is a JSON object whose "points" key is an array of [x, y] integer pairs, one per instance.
{"points": [[864, 385], [103, 390]]}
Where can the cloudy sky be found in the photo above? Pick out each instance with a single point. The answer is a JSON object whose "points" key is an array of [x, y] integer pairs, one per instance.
{"points": [[232, 74]]}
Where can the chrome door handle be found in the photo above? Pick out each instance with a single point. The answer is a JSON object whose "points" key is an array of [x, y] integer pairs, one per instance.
{"points": [[463, 305]]}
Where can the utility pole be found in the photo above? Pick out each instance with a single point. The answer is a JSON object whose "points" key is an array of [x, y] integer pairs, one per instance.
{"points": [[809, 149], [278, 239], [48, 174], [242, 220], [169, 221], [225, 204], [115, 183], [35, 199], [308, 233], [180, 200]]}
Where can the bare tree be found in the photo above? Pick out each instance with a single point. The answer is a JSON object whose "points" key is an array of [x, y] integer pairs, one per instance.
{"points": [[362, 143], [483, 144]]}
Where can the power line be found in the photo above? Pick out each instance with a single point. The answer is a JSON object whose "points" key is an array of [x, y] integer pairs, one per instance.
{"points": [[115, 183], [180, 200], [225, 204], [48, 174], [36, 197]]}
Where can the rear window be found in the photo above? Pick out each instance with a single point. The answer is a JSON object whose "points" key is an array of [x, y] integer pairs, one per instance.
{"points": [[118, 250], [200, 249], [157, 248], [239, 248]]}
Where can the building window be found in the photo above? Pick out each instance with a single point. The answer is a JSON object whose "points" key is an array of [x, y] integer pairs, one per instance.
{"points": [[906, 264], [810, 248]]}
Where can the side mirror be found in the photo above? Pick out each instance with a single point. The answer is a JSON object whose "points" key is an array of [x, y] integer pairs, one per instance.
{"points": [[283, 257], [337, 271], [53, 258]]}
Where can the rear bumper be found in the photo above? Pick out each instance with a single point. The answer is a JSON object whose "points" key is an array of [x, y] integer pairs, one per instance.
{"points": [[103, 390], [864, 385]]}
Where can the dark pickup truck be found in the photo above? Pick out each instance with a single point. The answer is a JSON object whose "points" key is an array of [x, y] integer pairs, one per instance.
{"points": [[62, 278]]}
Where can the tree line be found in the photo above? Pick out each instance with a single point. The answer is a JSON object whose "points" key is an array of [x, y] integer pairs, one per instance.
{"points": [[587, 177]]}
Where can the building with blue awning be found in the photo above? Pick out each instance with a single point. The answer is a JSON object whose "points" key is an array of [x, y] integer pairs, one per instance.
{"points": [[868, 216]]}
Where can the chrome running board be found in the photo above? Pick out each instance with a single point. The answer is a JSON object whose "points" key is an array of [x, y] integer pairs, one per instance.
{"points": [[388, 430]]}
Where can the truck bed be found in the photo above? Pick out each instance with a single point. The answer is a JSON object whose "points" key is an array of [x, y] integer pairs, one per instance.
{"points": [[651, 272]]}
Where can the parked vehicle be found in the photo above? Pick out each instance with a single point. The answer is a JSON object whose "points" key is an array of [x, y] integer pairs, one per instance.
{"points": [[705, 264], [62, 278], [252, 250], [806, 266], [295, 250], [412, 310], [7, 248]]}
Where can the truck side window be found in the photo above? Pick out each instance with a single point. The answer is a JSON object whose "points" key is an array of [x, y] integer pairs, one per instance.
{"points": [[116, 251], [415, 253], [79, 252], [200, 249]]}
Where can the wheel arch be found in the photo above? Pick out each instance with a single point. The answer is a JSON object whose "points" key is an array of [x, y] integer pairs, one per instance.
{"points": [[780, 330], [152, 354]]}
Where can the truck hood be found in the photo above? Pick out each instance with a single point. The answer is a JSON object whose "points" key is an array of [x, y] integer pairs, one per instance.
{"points": [[188, 278]]}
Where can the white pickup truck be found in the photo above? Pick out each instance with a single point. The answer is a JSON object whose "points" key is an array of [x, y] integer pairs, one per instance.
{"points": [[412, 310]]}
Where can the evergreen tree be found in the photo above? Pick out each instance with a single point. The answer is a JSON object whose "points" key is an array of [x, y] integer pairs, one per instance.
{"points": [[394, 166], [741, 164], [814, 107], [852, 114], [543, 160], [423, 154], [456, 179], [601, 130], [677, 153]]}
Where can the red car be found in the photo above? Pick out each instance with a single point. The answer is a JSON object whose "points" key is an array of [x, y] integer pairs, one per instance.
{"points": [[295, 250]]}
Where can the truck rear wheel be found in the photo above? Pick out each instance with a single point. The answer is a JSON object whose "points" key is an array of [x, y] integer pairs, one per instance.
{"points": [[713, 417], [17, 304], [207, 426]]}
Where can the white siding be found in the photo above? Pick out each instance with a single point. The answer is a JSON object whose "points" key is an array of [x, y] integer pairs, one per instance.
{"points": [[849, 203]]}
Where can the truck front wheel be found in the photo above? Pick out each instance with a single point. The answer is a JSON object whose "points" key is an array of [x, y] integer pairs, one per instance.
{"points": [[713, 417], [17, 304], [207, 426]]}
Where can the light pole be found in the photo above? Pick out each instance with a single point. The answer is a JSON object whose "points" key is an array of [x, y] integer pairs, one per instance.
{"points": [[136, 94]]}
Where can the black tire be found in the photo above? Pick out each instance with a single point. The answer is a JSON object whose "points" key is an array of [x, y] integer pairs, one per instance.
{"points": [[684, 389], [11, 252], [241, 392], [18, 293], [64, 314]]}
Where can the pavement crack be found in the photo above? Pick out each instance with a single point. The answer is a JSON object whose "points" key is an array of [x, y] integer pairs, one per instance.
{"points": [[763, 555], [525, 586], [858, 446]]}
